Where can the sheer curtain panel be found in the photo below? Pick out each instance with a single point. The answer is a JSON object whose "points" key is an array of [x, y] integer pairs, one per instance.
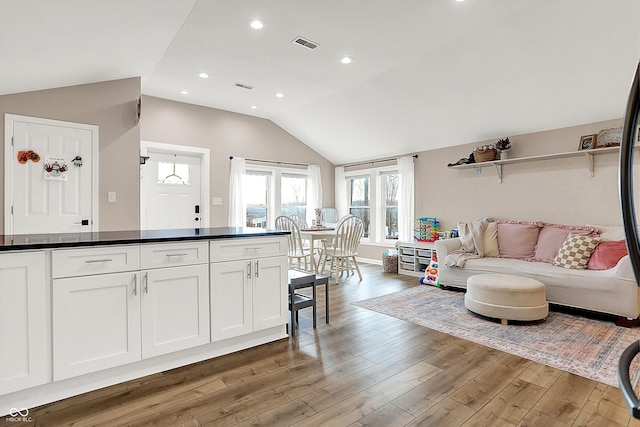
{"points": [[406, 203], [237, 211], [341, 192], [314, 192]]}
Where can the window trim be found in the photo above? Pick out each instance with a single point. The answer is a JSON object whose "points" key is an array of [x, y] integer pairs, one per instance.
{"points": [[376, 205], [274, 202]]}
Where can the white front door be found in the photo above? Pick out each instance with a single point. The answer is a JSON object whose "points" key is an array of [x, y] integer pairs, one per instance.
{"points": [[49, 176], [171, 187]]}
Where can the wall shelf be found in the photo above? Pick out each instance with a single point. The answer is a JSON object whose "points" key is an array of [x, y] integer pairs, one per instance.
{"points": [[497, 164]]}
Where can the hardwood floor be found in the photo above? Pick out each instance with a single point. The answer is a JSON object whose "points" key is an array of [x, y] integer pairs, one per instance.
{"points": [[362, 369]]}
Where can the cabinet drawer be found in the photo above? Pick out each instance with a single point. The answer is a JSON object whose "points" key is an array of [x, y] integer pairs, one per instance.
{"points": [[172, 254], [408, 251], [242, 248], [95, 260]]}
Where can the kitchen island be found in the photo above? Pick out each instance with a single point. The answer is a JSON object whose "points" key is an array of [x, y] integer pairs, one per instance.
{"points": [[83, 311]]}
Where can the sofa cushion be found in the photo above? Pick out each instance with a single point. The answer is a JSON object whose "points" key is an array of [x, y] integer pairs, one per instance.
{"points": [[552, 236], [491, 240], [576, 251], [607, 255], [518, 239]]}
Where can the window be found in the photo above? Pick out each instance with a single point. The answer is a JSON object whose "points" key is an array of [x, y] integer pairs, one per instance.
{"points": [[256, 188], [359, 199], [372, 194], [390, 188], [173, 173], [293, 195], [271, 192]]}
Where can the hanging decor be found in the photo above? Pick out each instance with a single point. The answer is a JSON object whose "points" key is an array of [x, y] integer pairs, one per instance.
{"points": [[77, 161], [25, 156], [55, 168]]}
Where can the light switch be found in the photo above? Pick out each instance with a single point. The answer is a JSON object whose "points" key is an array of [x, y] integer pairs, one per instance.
{"points": [[112, 197], [216, 201]]}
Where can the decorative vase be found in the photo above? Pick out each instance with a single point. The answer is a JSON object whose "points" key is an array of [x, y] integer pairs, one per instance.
{"points": [[504, 155]]}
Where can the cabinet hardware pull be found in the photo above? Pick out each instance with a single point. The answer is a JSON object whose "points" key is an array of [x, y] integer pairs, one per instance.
{"points": [[135, 284], [249, 269], [92, 261], [146, 283], [257, 268], [172, 255]]}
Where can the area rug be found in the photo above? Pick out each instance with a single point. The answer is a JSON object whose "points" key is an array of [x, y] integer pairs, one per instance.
{"points": [[573, 343]]}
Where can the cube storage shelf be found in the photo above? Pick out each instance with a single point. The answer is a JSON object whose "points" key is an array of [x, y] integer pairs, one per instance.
{"points": [[414, 257]]}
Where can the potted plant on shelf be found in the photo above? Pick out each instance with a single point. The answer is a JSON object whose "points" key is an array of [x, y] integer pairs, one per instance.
{"points": [[501, 148]]}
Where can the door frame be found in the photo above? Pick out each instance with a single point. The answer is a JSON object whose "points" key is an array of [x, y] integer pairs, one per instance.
{"points": [[9, 120], [203, 153]]}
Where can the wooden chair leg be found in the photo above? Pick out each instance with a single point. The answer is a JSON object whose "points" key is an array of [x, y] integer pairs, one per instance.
{"points": [[355, 263]]}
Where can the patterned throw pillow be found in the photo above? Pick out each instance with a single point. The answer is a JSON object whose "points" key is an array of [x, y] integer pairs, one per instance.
{"points": [[576, 251]]}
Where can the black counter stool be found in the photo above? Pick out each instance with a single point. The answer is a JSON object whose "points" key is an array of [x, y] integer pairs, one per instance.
{"points": [[297, 280]]}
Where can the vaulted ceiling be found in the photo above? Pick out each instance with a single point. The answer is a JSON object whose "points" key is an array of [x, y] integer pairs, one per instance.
{"points": [[425, 73]]}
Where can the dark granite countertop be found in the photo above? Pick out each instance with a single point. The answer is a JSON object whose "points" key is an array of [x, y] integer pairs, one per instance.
{"points": [[68, 240]]}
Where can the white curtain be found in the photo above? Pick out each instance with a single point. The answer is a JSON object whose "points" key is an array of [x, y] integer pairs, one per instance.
{"points": [[314, 192], [406, 203], [237, 210], [341, 193]]}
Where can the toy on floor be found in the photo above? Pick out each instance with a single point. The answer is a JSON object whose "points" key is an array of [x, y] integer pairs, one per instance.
{"points": [[431, 272]]}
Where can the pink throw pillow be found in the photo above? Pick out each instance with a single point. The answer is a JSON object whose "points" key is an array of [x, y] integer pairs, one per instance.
{"points": [[518, 239], [552, 236], [607, 255]]}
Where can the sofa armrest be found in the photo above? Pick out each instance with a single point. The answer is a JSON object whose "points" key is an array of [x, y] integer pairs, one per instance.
{"points": [[446, 246], [623, 269]]}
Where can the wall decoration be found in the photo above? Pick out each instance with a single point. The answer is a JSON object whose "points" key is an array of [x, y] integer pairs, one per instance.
{"points": [[25, 156], [55, 168], [609, 137], [77, 161], [588, 142]]}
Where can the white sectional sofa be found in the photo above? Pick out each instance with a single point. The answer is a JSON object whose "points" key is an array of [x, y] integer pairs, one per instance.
{"points": [[612, 291]]}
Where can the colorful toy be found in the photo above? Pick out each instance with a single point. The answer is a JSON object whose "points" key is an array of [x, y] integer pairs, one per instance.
{"points": [[426, 229], [431, 272]]}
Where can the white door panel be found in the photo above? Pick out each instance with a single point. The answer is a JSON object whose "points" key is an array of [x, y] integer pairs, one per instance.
{"points": [[49, 191], [171, 194]]}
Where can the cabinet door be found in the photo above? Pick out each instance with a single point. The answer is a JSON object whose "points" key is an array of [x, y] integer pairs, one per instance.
{"points": [[96, 323], [24, 354], [270, 293], [175, 309], [231, 299]]}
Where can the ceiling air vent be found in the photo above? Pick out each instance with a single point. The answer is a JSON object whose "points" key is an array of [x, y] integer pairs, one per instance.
{"points": [[305, 43], [243, 86]]}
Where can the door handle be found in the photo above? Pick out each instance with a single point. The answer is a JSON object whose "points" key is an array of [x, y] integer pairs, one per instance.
{"points": [[257, 268], [146, 283], [135, 284], [249, 269]]}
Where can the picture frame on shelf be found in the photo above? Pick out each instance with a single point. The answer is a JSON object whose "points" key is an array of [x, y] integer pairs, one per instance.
{"points": [[588, 142]]}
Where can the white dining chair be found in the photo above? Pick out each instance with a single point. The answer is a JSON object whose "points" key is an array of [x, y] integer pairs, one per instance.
{"points": [[297, 251], [344, 249]]}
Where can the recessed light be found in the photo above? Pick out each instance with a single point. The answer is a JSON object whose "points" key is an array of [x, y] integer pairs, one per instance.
{"points": [[184, 92], [203, 75], [459, 1], [253, 107], [256, 24], [346, 60], [279, 95]]}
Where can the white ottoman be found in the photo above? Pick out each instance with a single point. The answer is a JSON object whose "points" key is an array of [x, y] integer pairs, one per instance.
{"points": [[506, 297]]}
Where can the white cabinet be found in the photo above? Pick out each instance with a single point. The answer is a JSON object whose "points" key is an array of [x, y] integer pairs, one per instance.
{"points": [[24, 353], [175, 309], [107, 320], [414, 257], [249, 294], [96, 323]]}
